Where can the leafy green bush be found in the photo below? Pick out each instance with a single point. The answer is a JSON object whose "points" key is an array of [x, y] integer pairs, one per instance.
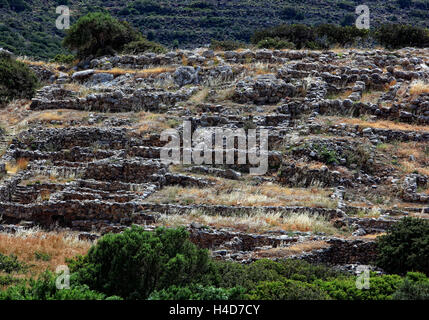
{"points": [[135, 263], [44, 288], [226, 45], [229, 274], [64, 58], [276, 43], [381, 288], [197, 292], [10, 264], [286, 290], [17, 80], [143, 45], [398, 36], [98, 34], [405, 247], [414, 287]]}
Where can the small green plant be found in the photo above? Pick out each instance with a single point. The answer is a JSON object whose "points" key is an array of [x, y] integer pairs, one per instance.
{"points": [[286, 290], [197, 292], [43, 256], [11, 264], [44, 288]]}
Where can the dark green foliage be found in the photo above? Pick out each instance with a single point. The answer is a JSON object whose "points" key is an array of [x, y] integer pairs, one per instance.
{"points": [[286, 290], [229, 275], [414, 287], [135, 263], [99, 34], [42, 256], [18, 5], [405, 247], [291, 13], [17, 80], [275, 44], [226, 45], [404, 3], [11, 264], [64, 58], [298, 34], [197, 292], [348, 20], [44, 288], [381, 288], [398, 36], [143, 45]]}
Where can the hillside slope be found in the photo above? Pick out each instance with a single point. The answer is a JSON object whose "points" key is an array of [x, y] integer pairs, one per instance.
{"points": [[28, 27]]}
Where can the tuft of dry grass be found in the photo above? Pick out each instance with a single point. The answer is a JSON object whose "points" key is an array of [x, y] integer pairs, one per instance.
{"points": [[418, 87], [29, 244], [239, 194], [15, 167], [257, 221], [294, 249], [145, 73], [381, 124], [200, 96]]}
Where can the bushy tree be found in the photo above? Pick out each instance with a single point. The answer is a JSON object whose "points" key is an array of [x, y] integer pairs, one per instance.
{"points": [[399, 36], [44, 288], [135, 263], [286, 290], [381, 288], [98, 34], [414, 287], [17, 80], [197, 292], [405, 247], [143, 45]]}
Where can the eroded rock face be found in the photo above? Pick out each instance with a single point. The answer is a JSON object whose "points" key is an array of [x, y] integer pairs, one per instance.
{"points": [[101, 172], [266, 89]]}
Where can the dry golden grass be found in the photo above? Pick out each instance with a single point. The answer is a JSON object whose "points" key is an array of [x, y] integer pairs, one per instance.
{"points": [[234, 193], [371, 96], [64, 115], [15, 167], [257, 221], [411, 166], [294, 249], [418, 87], [57, 247], [151, 122], [145, 73], [50, 65], [200, 96], [381, 124]]}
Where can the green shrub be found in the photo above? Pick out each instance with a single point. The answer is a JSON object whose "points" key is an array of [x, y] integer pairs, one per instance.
{"points": [[10, 264], [64, 58], [229, 274], [414, 287], [99, 34], [286, 290], [197, 292], [381, 288], [44, 288], [405, 247], [143, 45], [276, 43], [17, 80], [398, 36], [135, 263], [226, 45]]}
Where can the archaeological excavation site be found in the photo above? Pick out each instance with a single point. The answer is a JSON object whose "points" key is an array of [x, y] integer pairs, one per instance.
{"points": [[345, 190]]}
